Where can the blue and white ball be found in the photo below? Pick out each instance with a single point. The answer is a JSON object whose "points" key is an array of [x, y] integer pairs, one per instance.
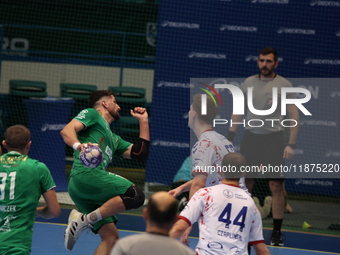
{"points": [[91, 156]]}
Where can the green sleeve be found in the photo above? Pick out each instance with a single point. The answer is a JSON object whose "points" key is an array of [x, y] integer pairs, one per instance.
{"points": [[122, 146], [46, 180], [88, 116]]}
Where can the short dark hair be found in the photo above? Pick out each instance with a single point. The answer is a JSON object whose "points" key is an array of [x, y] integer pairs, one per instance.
{"points": [[17, 137], [96, 95], [234, 161], [269, 50], [212, 108], [162, 217]]}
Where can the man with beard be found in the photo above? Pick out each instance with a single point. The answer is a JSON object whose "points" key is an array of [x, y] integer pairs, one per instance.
{"points": [[263, 142], [99, 194]]}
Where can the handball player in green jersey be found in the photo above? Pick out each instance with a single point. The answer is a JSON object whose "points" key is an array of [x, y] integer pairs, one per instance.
{"points": [[22, 182], [97, 193]]}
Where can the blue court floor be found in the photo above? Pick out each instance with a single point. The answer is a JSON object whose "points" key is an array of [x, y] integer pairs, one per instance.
{"points": [[48, 239]]}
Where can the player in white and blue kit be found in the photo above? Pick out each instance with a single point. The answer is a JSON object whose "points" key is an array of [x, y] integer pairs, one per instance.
{"points": [[207, 153], [228, 218]]}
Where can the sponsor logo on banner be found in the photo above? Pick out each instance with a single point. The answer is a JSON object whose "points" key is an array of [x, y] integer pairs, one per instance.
{"points": [[170, 84], [314, 90], [325, 3], [170, 144], [206, 55], [314, 182], [332, 154], [298, 151], [325, 123], [313, 61], [270, 1], [18, 45], [52, 127], [254, 58], [237, 28], [180, 25], [151, 29], [301, 31], [335, 94]]}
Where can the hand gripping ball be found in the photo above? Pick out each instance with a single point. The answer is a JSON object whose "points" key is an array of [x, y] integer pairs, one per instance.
{"points": [[91, 156]]}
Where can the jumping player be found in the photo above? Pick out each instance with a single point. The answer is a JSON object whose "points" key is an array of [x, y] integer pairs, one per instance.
{"points": [[99, 194]]}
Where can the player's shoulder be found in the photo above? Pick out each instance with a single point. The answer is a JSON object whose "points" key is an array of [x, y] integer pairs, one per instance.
{"points": [[86, 112]]}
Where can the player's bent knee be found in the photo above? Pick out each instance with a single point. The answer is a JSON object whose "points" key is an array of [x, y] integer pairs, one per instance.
{"points": [[133, 198]]}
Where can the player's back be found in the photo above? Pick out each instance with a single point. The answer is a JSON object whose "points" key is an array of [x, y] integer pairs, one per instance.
{"points": [[19, 196], [207, 155], [226, 215]]}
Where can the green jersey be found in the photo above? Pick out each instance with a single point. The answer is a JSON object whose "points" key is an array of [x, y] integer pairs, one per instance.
{"points": [[98, 131], [22, 181]]}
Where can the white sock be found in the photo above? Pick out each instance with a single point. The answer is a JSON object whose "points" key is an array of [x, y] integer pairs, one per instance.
{"points": [[94, 216]]}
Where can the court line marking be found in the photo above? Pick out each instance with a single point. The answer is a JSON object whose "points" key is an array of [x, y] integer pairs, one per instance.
{"points": [[192, 237]]}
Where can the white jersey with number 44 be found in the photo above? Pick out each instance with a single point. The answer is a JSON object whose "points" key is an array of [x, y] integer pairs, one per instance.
{"points": [[228, 220]]}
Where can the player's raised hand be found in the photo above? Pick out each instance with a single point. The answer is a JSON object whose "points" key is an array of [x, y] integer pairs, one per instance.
{"points": [[139, 112]]}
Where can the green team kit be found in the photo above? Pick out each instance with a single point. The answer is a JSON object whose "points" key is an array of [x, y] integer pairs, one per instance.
{"points": [[90, 188], [22, 181]]}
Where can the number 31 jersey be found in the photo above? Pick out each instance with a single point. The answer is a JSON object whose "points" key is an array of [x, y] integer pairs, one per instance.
{"points": [[228, 220]]}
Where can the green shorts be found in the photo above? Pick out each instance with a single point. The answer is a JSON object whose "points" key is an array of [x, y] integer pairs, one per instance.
{"points": [[14, 251], [91, 189]]}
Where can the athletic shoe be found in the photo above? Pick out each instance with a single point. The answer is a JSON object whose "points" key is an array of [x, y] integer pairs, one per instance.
{"points": [[77, 223], [277, 238]]}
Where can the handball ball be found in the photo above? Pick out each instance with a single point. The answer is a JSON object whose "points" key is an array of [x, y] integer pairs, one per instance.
{"points": [[91, 156]]}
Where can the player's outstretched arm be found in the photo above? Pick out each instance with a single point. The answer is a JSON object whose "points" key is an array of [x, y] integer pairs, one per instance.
{"points": [[178, 228], [261, 249], [52, 209], [69, 132], [180, 189]]}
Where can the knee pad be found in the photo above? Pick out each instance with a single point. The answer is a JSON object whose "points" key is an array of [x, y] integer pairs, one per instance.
{"points": [[133, 198]]}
